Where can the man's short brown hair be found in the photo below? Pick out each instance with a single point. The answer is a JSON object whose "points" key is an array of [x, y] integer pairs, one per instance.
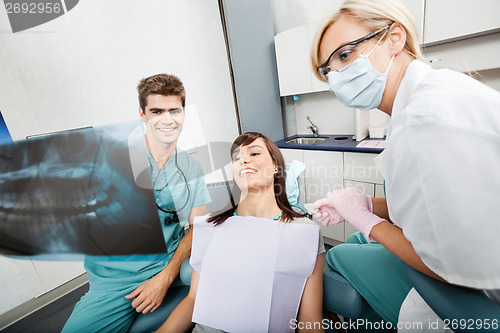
{"points": [[160, 84]]}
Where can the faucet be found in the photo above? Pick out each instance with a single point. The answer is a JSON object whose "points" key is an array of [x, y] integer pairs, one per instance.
{"points": [[312, 127]]}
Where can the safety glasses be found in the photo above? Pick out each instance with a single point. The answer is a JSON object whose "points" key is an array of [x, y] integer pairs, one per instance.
{"points": [[346, 54]]}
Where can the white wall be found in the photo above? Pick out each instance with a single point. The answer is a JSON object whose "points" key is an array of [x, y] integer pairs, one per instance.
{"points": [[326, 112], [83, 68]]}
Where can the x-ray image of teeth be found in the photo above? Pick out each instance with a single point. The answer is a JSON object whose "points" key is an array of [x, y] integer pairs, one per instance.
{"points": [[74, 192]]}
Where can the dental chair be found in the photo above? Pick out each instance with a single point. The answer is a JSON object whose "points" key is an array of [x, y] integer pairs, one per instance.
{"points": [[453, 303], [340, 298]]}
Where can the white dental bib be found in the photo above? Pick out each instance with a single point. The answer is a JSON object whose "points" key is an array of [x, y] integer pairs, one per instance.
{"points": [[252, 272]]}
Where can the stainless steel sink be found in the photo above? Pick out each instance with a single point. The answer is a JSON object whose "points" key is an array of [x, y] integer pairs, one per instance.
{"points": [[306, 141]]}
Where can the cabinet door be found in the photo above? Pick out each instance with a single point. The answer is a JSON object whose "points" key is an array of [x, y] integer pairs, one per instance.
{"points": [[317, 84], [447, 20], [367, 188], [361, 167], [292, 58], [324, 173], [379, 191], [324, 170], [416, 8]]}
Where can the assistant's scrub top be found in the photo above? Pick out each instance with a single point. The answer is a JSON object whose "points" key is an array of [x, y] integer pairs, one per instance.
{"points": [[440, 166], [170, 191]]}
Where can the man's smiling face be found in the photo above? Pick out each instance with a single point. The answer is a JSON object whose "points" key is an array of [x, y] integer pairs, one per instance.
{"points": [[164, 117]]}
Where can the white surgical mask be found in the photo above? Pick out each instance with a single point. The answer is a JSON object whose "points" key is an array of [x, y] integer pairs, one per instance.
{"points": [[358, 84]]}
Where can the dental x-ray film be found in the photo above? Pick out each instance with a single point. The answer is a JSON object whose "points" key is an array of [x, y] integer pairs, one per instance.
{"points": [[74, 192]]}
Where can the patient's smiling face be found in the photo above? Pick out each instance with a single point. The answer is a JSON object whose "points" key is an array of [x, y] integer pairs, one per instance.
{"points": [[253, 167]]}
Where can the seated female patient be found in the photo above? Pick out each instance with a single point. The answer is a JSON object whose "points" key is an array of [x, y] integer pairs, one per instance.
{"points": [[241, 241]]}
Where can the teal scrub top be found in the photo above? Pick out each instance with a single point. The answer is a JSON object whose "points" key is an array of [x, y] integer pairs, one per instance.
{"points": [[170, 193]]}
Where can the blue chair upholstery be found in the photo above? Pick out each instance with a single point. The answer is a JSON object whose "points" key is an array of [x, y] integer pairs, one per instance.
{"points": [[186, 271], [150, 322], [453, 303], [340, 297]]}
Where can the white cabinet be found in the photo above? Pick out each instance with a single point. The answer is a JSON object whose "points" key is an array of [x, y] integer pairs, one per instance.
{"points": [[447, 20], [379, 191], [323, 174], [327, 171], [462, 35], [468, 55], [367, 188], [360, 171], [416, 8], [373, 190], [316, 84], [293, 58], [292, 55], [361, 167]]}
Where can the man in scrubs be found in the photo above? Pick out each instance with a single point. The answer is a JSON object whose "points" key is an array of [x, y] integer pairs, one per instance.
{"points": [[122, 287]]}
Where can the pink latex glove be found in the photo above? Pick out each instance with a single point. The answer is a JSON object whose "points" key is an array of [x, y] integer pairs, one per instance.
{"points": [[352, 205], [326, 214]]}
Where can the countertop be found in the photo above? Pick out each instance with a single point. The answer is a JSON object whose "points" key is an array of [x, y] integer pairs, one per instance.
{"points": [[332, 143]]}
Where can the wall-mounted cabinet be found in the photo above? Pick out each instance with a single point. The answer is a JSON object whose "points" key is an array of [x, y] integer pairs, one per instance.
{"points": [[467, 55], [462, 35], [293, 59], [292, 54], [416, 8], [316, 84], [449, 20]]}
